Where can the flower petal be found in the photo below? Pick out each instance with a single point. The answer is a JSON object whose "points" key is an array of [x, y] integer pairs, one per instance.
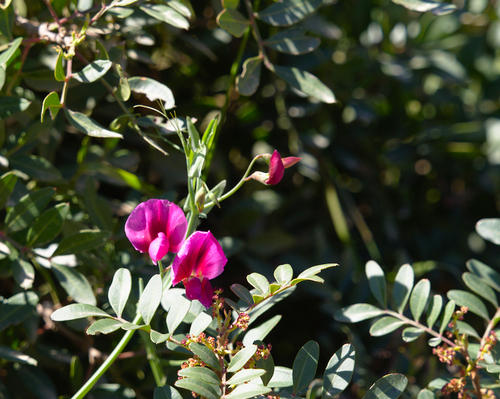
{"points": [[290, 161], [159, 247], [276, 169], [200, 290]]}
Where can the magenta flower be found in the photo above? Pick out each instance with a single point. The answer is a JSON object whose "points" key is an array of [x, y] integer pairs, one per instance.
{"points": [[200, 259], [157, 227], [277, 166]]}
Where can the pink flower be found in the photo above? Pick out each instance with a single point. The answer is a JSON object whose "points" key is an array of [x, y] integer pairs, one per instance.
{"points": [[200, 259], [157, 227], [277, 166]]}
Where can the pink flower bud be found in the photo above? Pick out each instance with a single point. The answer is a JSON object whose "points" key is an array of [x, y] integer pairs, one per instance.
{"points": [[277, 166]]}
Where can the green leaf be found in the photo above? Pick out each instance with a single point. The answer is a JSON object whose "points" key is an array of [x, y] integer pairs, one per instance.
{"points": [[152, 89], [200, 373], [205, 354], [12, 105], [358, 312], [93, 71], [123, 90], [77, 311], [260, 332], [166, 392], [245, 375], [7, 183], [385, 325], [310, 273], [246, 391], [119, 290], [464, 328], [158, 338], [477, 285], [48, 225], [376, 280], [177, 313], [447, 314], [36, 167], [150, 299], [488, 274], [390, 386], [434, 309], [282, 378], [242, 293], [88, 126], [283, 274], [241, 358], [403, 285], [292, 41], [202, 321], [6, 55], [248, 82], [75, 284], [28, 209], [82, 241], [234, 4], [338, 372], [184, 9], [489, 229], [435, 341], [304, 366], [17, 308], [97, 207], [3, 75], [419, 297], [464, 298], [267, 364], [104, 326], [199, 387], [15, 356], [426, 394], [233, 21], [259, 281], [52, 103], [305, 82], [166, 14], [24, 273], [59, 73], [411, 334], [425, 5], [288, 12]]}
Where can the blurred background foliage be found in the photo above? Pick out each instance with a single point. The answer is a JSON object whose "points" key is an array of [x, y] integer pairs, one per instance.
{"points": [[398, 170]]}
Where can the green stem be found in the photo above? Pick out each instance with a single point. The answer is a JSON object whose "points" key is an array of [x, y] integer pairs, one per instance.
{"points": [[107, 363], [153, 359]]}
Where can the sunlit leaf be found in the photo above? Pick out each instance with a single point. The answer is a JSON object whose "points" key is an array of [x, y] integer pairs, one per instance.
{"points": [[411, 334], [390, 386], [311, 272], [245, 375], [52, 103], [123, 89], [83, 240], [464, 298], [358, 312], [385, 325], [478, 286], [283, 274], [434, 310], [205, 354], [153, 90], [23, 273], [241, 358], [104, 326], [305, 82], [259, 281], [304, 366], [425, 5], [449, 309], [59, 73], [292, 41], [467, 329], [376, 281], [6, 55], [426, 394], [157, 337], [166, 14], [288, 12], [93, 71], [12, 105], [200, 373], [338, 372], [199, 324], [200, 387], [16, 356], [233, 21], [260, 332], [119, 290], [88, 126], [487, 273], [245, 391], [177, 313], [248, 82], [419, 297], [150, 299], [77, 311], [75, 284], [403, 285], [7, 183]]}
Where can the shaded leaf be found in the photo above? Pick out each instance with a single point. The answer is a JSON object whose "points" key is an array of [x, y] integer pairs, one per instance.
{"points": [[77, 311], [487, 273], [478, 286], [292, 41], [232, 21], [6, 55], [357, 312], [119, 290], [150, 299], [248, 82], [93, 71], [464, 298], [48, 225], [376, 281], [434, 310], [419, 297], [16, 356], [200, 387], [28, 209], [12, 105], [166, 14], [17, 308], [304, 366], [338, 372], [166, 392], [88, 126], [390, 386], [288, 12], [385, 325], [425, 5], [464, 328], [205, 354], [75, 284], [24, 273], [449, 309], [305, 82], [104, 326], [267, 364], [242, 293], [200, 373], [7, 183], [411, 334], [36, 167], [241, 358], [153, 90], [81, 241], [123, 90], [403, 285]]}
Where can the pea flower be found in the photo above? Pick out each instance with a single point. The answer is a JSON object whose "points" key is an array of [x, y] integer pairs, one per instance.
{"points": [[200, 259], [277, 166], [157, 227]]}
